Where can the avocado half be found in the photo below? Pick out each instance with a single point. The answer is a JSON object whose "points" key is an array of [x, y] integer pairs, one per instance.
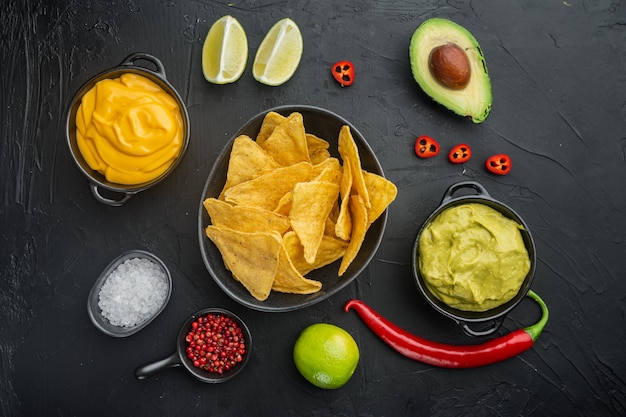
{"points": [[474, 100]]}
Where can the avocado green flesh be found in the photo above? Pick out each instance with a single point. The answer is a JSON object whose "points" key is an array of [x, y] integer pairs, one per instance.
{"points": [[475, 99]]}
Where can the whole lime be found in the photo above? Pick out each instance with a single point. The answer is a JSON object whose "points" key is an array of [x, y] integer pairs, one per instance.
{"points": [[326, 355]]}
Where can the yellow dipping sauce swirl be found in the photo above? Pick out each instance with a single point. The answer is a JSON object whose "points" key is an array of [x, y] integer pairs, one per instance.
{"points": [[472, 257], [129, 129]]}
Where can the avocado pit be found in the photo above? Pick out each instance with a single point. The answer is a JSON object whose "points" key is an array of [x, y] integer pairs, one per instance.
{"points": [[450, 66]]}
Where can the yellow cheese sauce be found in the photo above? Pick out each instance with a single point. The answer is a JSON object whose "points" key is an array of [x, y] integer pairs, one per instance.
{"points": [[472, 257], [129, 129]]}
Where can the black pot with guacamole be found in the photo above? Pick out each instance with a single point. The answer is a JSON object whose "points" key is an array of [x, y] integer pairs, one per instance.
{"points": [[474, 258]]}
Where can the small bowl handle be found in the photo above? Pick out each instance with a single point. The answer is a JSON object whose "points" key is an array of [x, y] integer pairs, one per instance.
{"points": [[448, 195], [130, 60], [149, 369], [483, 332], [95, 190]]}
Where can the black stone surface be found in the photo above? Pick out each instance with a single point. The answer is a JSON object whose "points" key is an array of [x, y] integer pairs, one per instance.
{"points": [[559, 109]]}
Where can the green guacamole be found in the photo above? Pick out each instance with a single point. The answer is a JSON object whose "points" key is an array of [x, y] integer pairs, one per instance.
{"points": [[472, 257]]}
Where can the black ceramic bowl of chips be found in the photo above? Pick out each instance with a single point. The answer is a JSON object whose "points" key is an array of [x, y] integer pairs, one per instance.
{"points": [[326, 125]]}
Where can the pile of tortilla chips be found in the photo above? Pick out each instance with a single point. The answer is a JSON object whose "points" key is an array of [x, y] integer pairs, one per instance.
{"points": [[289, 207]]}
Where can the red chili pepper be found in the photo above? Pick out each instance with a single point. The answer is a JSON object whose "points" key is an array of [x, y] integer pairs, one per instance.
{"points": [[499, 164], [343, 72], [460, 154], [426, 147], [451, 356]]}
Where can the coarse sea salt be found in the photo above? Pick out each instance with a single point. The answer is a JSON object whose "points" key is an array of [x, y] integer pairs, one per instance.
{"points": [[133, 292]]}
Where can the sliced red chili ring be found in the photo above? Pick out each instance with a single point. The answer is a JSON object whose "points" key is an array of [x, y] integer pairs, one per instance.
{"points": [[460, 154], [499, 164], [426, 147], [343, 72]]}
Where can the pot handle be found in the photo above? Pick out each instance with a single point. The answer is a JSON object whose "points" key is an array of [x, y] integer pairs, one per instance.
{"points": [[130, 60], [483, 332], [108, 201], [448, 195], [149, 369]]}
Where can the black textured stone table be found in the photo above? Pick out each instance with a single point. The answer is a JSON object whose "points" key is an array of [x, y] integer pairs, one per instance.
{"points": [[559, 110]]}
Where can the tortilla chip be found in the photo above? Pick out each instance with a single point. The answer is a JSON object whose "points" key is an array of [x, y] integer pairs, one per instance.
{"points": [[247, 161], [334, 213], [343, 225], [267, 190], [312, 202], [284, 205], [315, 142], [270, 121], [329, 251], [252, 258], [328, 171], [289, 280], [319, 156], [287, 143], [350, 155], [244, 218], [329, 228], [381, 191], [360, 224], [318, 148], [331, 220]]}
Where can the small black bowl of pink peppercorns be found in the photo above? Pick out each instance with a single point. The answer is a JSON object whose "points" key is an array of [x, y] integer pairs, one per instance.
{"points": [[214, 345]]}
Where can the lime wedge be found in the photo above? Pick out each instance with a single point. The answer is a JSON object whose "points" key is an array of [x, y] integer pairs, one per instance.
{"points": [[279, 54], [225, 51]]}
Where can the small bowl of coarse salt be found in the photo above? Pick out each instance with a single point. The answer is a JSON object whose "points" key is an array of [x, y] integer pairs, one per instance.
{"points": [[131, 292]]}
